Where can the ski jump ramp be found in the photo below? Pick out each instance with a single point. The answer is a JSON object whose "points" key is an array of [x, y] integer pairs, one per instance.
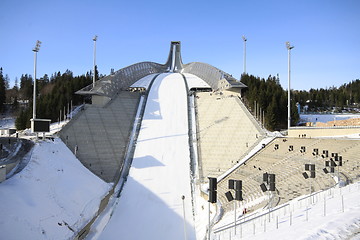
{"points": [[151, 205], [156, 201]]}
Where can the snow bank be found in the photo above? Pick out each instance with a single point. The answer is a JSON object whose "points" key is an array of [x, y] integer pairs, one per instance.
{"points": [[53, 197]]}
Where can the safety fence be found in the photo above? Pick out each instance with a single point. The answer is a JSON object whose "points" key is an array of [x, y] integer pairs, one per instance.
{"points": [[317, 205]]}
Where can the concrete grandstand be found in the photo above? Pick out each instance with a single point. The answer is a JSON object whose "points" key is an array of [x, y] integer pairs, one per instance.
{"points": [[111, 91], [179, 124], [288, 163]]}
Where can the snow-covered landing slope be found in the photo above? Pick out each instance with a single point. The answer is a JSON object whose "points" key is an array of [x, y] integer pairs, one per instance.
{"points": [[51, 198], [150, 206]]}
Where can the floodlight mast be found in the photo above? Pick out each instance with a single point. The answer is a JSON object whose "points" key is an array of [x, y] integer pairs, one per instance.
{"points": [[35, 50], [94, 74], [245, 39], [289, 47]]}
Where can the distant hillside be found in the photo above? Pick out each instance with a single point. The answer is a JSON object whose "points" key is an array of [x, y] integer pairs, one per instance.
{"points": [[54, 95], [347, 96]]}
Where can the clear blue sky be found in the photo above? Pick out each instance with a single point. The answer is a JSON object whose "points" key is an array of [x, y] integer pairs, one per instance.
{"points": [[325, 33]]}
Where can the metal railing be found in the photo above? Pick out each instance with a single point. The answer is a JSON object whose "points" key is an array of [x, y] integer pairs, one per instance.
{"points": [[300, 210], [122, 79]]}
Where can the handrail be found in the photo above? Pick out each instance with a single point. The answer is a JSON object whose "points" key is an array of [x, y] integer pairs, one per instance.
{"points": [[122, 79], [251, 219]]}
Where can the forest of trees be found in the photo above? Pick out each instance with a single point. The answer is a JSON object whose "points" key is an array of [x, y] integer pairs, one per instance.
{"points": [[4, 84], [347, 96], [54, 93], [271, 99]]}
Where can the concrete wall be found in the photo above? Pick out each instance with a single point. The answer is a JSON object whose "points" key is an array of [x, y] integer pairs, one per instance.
{"points": [[2, 173], [100, 100], [312, 132]]}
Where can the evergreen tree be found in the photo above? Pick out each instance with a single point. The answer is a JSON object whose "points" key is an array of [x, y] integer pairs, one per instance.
{"points": [[271, 111], [7, 82], [20, 122], [317, 100], [2, 91], [55, 94], [16, 86], [15, 104], [26, 87]]}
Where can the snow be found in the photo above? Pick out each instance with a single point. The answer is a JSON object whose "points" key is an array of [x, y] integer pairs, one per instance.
{"points": [[151, 202], [331, 214], [52, 197], [7, 122]]}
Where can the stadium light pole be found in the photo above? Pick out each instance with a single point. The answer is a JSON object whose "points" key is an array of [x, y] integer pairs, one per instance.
{"points": [[35, 50], [94, 74], [289, 47], [245, 39]]}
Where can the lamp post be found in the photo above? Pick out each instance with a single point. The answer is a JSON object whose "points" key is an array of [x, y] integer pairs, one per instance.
{"points": [[35, 50], [94, 76], [289, 47], [245, 39], [183, 200]]}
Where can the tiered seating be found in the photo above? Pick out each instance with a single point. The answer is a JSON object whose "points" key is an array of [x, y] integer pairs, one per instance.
{"points": [[288, 166], [347, 122], [225, 132], [101, 135]]}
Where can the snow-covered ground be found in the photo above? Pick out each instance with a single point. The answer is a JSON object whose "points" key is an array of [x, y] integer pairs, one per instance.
{"points": [[331, 214], [7, 122], [51, 198]]}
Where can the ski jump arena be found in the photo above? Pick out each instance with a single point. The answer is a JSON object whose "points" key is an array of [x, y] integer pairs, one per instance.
{"points": [[159, 131]]}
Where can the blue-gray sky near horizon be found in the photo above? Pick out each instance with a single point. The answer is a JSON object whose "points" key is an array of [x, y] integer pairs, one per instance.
{"points": [[325, 34]]}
